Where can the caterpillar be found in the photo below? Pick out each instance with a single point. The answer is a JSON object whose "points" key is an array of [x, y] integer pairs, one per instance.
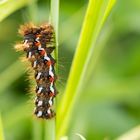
{"points": [[39, 43]]}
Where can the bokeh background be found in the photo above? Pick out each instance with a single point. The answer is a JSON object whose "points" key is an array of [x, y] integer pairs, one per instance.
{"points": [[109, 105]]}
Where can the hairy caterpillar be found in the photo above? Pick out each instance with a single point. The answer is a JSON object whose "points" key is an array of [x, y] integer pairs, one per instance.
{"points": [[38, 43]]}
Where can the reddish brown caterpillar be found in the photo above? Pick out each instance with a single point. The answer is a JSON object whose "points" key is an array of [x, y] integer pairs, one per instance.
{"points": [[39, 44]]}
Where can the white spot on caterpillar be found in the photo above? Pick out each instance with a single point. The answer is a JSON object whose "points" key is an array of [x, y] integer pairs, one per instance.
{"points": [[51, 88], [27, 45], [35, 63], [37, 39], [50, 101], [39, 47], [39, 114], [40, 89], [49, 111], [50, 72], [40, 103], [25, 42], [38, 75], [30, 55], [46, 58]]}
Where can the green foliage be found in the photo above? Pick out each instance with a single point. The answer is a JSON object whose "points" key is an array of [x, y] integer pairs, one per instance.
{"points": [[101, 98]]}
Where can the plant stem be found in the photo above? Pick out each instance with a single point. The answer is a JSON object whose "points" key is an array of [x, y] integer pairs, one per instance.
{"points": [[50, 129], [37, 130], [54, 20]]}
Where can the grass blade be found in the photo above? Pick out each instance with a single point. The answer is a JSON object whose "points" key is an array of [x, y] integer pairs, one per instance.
{"points": [[54, 20], [37, 130], [97, 12], [50, 129], [100, 44]]}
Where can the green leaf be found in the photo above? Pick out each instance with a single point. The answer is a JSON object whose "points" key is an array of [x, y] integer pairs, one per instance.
{"points": [[9, 6], [96, 15]]}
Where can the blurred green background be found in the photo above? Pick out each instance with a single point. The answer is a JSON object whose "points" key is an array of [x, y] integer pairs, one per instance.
{"points": [[110, 103]]}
